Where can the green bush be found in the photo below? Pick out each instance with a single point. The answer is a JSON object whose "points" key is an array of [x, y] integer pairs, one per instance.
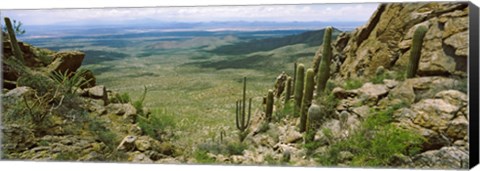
{"points": [[122, 98], [69, 81], [375, 143], [352, 84], [158, 121], [236, 148], [329, 104], [202, 157]]}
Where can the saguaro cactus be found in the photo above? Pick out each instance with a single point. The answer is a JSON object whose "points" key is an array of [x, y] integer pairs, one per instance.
{"points": [[298, 89], [240, 109], [415, 51], [324, 68], [294, 77], [13, 40], [269, 108], [307, 98], [288, 90]]}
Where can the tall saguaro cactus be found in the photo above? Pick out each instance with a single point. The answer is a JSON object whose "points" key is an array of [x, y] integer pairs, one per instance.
{"points": [[415, 51], [294, 76], [288, 90], [324, 68], [17, 52], [269, 108], [240, 109], [298, 94], [307, 98]]}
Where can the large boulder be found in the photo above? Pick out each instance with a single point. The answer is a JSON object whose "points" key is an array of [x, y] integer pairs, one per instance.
{"points": [[441, 120], [444, 158], [66, 61]]}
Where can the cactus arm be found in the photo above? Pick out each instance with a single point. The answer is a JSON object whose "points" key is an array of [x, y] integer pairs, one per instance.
{"points": [[249, 112], [237, 113]]}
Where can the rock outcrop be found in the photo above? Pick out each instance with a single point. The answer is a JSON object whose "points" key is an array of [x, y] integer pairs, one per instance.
{"points": [[386, 39]]}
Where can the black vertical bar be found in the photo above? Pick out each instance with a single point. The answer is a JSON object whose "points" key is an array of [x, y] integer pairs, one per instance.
{"points": [[473, 75]]}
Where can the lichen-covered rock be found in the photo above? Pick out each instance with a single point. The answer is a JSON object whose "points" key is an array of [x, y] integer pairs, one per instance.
{"points": [[444, 158], [126, 110], [17, 138]]}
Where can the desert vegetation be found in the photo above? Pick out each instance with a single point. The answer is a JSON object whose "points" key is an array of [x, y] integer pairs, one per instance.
{"points": [[297, 98]]}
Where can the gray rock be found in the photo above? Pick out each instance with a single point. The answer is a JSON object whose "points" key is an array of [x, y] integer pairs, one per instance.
{"points": [[445, 158], [143, 143], [18, 92]]}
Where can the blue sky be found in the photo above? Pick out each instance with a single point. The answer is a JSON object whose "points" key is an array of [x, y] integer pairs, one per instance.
{"points": [[275, 13]]}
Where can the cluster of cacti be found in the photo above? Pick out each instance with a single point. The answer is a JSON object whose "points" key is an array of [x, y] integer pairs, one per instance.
{"points": [[288, 90], [307, 98], [324, 67], [17, 52], [415, 51], [298, 94], [269, 108], [240, 114]]}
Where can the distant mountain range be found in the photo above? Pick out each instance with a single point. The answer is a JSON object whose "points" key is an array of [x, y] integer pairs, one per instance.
{"points": [[109, 27]]}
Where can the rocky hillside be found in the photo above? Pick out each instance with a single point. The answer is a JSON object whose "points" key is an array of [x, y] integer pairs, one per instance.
{"points": [[387, 38], [371, 114], [53, 110]]}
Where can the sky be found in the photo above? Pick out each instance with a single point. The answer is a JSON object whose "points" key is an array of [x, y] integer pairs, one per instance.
{"points": [[273, 13]]}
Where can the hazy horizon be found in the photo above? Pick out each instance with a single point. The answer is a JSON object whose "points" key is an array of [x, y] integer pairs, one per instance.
{"points": [[203, 14]]}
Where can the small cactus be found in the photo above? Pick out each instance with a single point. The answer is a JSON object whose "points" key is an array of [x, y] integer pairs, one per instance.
{"points": [[314, 119], [415, 51], [269, 108], [343, 119], [380, 71], [307, 98], [298, 94], [324, 67], [240, 110], [17, 52], [288, 90]]}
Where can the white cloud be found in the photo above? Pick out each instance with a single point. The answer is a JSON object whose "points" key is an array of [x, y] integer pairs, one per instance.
{"points": [[314, 12]]}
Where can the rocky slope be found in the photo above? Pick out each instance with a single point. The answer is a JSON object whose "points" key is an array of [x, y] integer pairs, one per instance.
{"points": [[386, 40], [53, 110], [429, 111]]}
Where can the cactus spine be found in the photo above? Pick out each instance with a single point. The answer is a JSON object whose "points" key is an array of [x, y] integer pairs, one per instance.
{"points": [[269, 108], [324, 67], [13, 40], [415, 51], [240, 109], [298, 89], [307, 98], [288, 90]]}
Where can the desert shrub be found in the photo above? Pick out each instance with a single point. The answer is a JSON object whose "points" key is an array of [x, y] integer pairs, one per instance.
{"points": [[287, 110], [69, 81], [103, 134], [352, 84], [378, 79], [138, 104], [122, 98], [158, 121], [329, 104], [236, 148], [375, 143], [202, 157]]}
